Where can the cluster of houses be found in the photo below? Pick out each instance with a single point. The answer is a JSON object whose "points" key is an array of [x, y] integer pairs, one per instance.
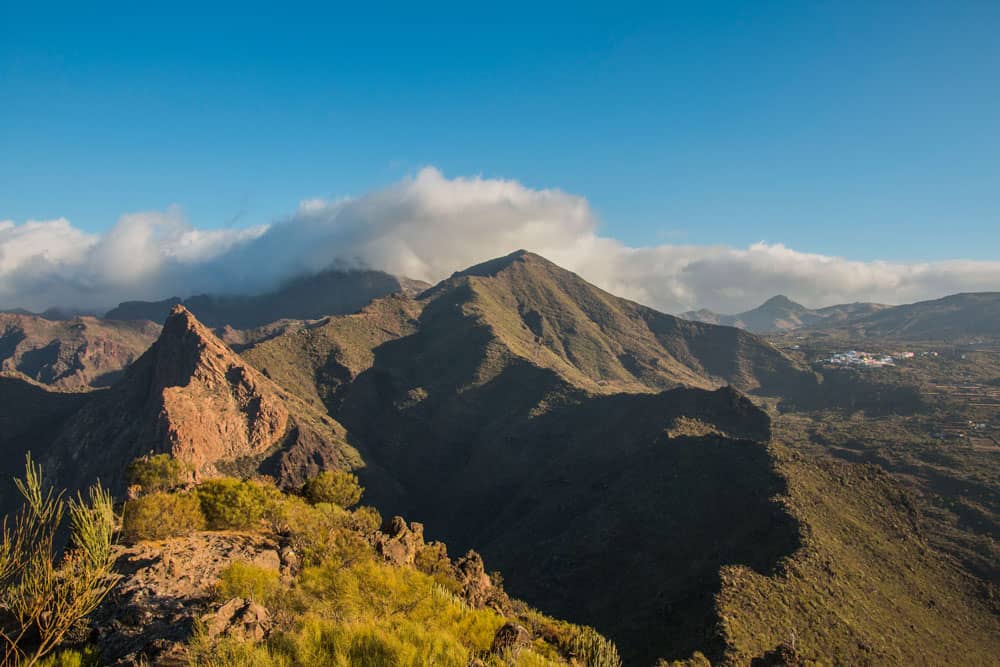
{"points": [[866, 359]]}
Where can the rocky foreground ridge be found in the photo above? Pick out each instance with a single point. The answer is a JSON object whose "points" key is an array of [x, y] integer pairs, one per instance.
{"points": [[170, 589]]}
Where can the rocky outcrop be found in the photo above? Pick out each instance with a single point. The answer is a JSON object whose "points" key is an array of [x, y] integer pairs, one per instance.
{"points": [[167, 586], [401, 544], [478, 589], [191, 396], [398, 542]]}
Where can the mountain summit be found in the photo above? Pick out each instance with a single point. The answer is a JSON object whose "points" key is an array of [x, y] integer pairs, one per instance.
{"points": [[557, 320], [191, 396]]}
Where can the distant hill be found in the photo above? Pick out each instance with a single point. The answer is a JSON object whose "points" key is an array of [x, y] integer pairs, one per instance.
{"points": [[953, 318], [779, 313], [304, 298], [77, 353]]}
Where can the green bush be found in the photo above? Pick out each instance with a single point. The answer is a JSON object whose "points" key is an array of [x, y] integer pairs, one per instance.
{"points": [[71, 658], [158, 473], [159, 515], [333, 486], [241, 579], [367, 520], [231, 504]]}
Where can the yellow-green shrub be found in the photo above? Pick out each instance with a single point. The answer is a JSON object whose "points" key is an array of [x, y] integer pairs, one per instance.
{"points": [[319, 532], [333, 486], [232, 504], [159, 515], [241, 579], [71, 658], [158, 473], [371, 591], [232, 652], [367, 520]]}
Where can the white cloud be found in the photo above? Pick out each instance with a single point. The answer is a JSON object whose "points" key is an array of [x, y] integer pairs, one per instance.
{"points": [[427, 227]]}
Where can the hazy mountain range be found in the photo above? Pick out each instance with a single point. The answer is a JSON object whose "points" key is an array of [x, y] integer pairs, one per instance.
{"points": [[948, 318]]}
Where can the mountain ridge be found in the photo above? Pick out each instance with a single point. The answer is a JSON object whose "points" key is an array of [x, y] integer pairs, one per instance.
{"points": [[954, 317], [307, 297], [779, 313]]}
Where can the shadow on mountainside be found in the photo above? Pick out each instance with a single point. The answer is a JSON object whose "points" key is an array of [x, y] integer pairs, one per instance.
{"points": [[31, 417], [616, 511]]}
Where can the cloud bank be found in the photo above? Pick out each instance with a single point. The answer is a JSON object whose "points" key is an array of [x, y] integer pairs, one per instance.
{"points": [[426, 227]]}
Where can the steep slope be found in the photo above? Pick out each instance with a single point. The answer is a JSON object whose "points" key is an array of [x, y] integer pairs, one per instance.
{"points": [[72, 354], [305, 298], [191, 396], [864, 589], [317, 360], [585, 444], [779, 313], [554, 319], [955, 318]]}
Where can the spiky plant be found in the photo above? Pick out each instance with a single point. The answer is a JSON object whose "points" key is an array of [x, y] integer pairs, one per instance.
{"points": [[594, 650], [44, 593]]}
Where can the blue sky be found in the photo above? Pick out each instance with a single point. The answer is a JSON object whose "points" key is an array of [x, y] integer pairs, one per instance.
{"points": [[867, 130]]}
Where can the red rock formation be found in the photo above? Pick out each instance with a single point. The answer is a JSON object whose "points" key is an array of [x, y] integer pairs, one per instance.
{"points": [[191, 396]]}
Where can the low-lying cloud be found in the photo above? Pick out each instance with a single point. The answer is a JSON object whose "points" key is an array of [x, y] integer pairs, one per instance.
{"points": [[426, 227]]}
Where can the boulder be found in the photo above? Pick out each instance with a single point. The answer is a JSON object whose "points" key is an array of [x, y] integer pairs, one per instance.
{"points": [[239, 618], [399, 542], [509, 640]]}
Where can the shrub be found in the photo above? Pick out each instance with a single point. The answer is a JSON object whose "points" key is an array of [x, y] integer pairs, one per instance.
{"points": [[43, 596], [158, 473], [367, 520], [241, 579], [71, 658], [333, 486], [318, 532], [159, 515], [595, 650], [231, 504], [232, 652]]}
